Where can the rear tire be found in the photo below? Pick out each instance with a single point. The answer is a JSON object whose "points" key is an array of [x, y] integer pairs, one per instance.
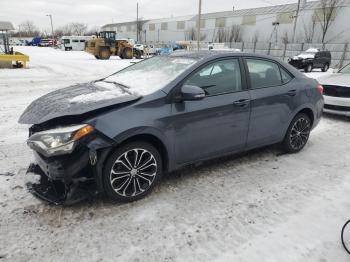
{"points": [[127, 53], [308, 68], [325, 68], [297, 134], [132, 171]]}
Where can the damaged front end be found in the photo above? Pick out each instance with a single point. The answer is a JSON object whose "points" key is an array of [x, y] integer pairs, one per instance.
{"points": [[68, 162]]}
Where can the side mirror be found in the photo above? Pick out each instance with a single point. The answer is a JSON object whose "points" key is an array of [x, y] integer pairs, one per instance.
{"points": [[192, 93]]}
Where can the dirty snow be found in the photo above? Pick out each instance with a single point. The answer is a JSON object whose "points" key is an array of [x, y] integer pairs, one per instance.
{"points": [[260, 206]]}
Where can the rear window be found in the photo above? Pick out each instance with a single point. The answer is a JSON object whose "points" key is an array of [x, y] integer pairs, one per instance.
{"points": [[263, 73], [286, 77]]}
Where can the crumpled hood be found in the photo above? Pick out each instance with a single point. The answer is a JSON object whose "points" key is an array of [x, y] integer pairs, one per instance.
{"points": [[74, 100], [336, 79]]}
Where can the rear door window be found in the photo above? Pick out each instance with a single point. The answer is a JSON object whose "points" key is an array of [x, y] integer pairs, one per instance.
{"points": [[263, 73]]}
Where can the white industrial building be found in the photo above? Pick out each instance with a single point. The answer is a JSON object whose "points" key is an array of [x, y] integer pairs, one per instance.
{"points": [[254, 24]]}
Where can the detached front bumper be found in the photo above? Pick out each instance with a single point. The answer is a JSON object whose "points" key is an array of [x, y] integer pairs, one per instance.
{"points": [[70, 178], [63, 180]]}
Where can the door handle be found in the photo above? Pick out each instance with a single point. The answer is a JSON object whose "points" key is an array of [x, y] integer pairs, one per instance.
{"points": [[292, 92], [241, 102]]}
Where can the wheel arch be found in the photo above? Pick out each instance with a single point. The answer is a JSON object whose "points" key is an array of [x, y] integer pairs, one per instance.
{"points": [[303, 109], [309, 112], [154, 141]]}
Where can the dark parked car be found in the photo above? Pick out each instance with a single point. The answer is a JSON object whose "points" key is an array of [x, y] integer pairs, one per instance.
{"points": [[312, 58], [121, 133]]}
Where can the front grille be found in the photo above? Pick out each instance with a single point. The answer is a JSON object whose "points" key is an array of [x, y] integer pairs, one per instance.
{"points": [[336, 91], [337, 108], [296, 63]]}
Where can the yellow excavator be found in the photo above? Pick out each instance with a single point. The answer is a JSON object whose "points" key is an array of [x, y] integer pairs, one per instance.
{"points": [[106, 45], [9, 58]]}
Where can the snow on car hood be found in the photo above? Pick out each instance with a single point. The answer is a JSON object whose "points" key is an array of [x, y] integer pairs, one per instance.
{"points": [[336, 79], [76, 100]]}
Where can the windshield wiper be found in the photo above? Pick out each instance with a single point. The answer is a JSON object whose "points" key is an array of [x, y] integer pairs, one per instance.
{"points": [[124, 88]]}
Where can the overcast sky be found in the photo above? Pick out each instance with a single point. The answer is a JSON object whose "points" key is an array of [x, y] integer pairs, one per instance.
{"points": [[100, 12]]}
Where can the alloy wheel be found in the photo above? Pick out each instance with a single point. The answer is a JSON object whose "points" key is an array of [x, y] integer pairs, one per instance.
{"points": [[133, 172], [300, 133]]}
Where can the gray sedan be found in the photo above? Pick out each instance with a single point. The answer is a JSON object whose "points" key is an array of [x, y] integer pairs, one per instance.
{"points": [[120, 134]]}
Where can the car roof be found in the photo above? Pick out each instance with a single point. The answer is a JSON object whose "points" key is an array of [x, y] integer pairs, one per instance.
{"points": [[210, 54]]}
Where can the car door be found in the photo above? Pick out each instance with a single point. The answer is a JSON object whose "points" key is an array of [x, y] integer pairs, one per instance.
{"points": [[218, 124], [273, 100], [319, 59]]}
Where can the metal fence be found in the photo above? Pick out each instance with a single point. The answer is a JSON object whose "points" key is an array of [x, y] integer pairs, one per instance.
{"points": [[340, 52]]}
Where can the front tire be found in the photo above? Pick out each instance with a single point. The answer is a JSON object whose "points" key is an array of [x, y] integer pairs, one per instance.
{"points": [[137, 54], [104, 54], [132, 171], [297, 134]]}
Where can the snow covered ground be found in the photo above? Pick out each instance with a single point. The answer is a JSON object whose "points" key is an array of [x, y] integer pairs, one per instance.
{"points": [[260, 206]]}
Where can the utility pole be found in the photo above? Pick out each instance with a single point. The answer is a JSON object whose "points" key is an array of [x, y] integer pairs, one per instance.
{"points": [[51, 26], [199, 24], [137, 22], [296, 20]]}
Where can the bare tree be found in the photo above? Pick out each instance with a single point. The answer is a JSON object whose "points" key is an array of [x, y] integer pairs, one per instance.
{"points": [[235, 33], [78, 28], [28, 28], [92, 30], [309, 30], [285, 38], [221, 35], [71, 29], [191, 35], [255, 37], [326, 15], [64, 30]]}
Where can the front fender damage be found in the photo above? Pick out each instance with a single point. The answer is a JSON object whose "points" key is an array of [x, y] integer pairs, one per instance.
{"points": [[61, 182]]}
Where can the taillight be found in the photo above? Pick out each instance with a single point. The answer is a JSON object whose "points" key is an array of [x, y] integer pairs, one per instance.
{"points": [[319, 89]]}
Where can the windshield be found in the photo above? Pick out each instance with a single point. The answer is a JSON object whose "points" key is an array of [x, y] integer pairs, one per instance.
{"points": [[345, 69], [152, 74]]}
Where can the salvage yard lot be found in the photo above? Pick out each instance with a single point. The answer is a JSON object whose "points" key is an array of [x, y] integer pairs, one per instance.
{"points": [[261, 206]]}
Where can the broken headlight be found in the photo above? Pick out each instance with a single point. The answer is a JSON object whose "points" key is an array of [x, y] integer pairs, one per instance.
{"points": [[58, 141]]}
